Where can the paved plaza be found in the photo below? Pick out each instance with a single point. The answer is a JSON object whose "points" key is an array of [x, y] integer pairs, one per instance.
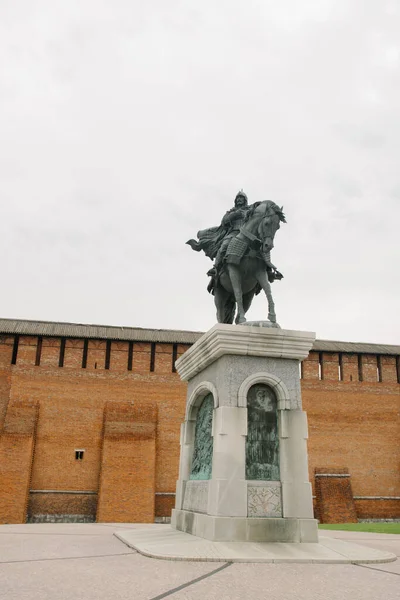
{"points": [[87, 562]]}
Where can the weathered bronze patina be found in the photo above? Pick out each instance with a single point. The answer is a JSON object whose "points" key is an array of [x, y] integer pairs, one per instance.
{"points": [[203, 441], [262, 441], [241, 247]]}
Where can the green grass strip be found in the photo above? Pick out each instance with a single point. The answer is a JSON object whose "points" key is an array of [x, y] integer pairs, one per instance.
{"points": [[369, 527]]}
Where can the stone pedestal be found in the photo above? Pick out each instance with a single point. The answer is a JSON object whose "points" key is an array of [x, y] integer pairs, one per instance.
{"points": [[252, 373]]}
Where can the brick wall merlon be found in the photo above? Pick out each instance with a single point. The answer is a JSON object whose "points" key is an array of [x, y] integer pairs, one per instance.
{"points": [[349, 367], [310, 366], [330, 366], [163, 358], [388, 369], [27, 348], [369, 367]]}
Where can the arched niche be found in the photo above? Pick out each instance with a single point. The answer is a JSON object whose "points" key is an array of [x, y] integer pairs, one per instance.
{"points": [[280, 389], [199, 394], [262, 441], [197, 397], [203, 443]]}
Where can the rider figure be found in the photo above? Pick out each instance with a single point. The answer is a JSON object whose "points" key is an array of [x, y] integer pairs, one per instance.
{"points": [[232, 221]]}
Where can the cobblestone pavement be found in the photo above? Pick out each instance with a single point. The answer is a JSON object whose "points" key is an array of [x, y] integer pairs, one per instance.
{"points": [[86, 562]]}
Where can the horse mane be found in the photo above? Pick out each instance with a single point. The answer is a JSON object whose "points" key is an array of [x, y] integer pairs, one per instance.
{"points": [[278, 210], [251, 210]]}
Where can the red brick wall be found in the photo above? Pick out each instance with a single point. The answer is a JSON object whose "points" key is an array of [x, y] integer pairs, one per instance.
{"points": [[16, 451], [164, 506], [351, 423], [72, 401], [356, 424], [62, 504], [127, 480], [334, 497], [377, 508]]}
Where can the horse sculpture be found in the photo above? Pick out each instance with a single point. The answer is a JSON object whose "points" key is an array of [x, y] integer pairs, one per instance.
{"points": [[247, 267]]}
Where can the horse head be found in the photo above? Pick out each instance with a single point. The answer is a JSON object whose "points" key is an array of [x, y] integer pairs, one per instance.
{"points": [[270, 224]]}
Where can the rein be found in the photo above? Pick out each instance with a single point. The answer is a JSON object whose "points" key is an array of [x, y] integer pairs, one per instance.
{"points": [[269, 213], [267, 227]]}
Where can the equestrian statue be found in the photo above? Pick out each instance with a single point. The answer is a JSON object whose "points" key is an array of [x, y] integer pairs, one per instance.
{"points": [[241, 249]]}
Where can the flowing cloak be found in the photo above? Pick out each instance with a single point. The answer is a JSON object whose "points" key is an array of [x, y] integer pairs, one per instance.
{"points": [[209, 240]]}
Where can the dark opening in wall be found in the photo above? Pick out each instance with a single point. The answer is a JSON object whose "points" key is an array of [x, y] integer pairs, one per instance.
{"points": [[152, 356], [108, 354], [15, 350], [174, 356], [340, 366], [62, 353], [38, 351], [79, 454], [398, 368], [379, 368], [320, 366], [85, 353], [360, 368], [130, 356]]}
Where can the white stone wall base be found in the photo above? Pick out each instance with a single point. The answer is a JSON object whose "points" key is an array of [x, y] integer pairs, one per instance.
{"points": [[244, 529]]}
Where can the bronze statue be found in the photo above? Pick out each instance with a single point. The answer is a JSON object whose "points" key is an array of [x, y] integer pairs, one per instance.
{"points": [[241, 247]]}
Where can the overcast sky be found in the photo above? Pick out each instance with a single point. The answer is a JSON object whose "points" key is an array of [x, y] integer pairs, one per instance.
{"points": [[127, 126]]}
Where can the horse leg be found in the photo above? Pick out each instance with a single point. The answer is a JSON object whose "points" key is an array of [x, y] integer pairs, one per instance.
{"points": [[234, 275], [224, 305], [262, 279], [247, 300]]}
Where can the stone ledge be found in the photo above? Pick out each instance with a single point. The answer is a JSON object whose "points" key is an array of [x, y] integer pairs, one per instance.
{"points": [[244, 341], [163, 542], [61, 518]]}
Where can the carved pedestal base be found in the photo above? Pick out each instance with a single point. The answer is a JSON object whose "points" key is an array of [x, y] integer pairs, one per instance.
{"points": [[242, 529]]}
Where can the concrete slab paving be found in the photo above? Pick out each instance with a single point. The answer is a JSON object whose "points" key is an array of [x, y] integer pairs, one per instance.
{"points": [[294, 582], [62, 562], [164, 542]]}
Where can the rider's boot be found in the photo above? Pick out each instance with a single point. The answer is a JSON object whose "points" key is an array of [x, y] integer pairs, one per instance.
{"points": [[214, 270]]}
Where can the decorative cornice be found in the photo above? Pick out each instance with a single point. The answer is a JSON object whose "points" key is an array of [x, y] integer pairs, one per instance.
{"points": [[243, 341]]}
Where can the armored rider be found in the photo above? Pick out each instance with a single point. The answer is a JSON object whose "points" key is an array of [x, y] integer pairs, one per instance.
{"points": [[232, 221]]}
